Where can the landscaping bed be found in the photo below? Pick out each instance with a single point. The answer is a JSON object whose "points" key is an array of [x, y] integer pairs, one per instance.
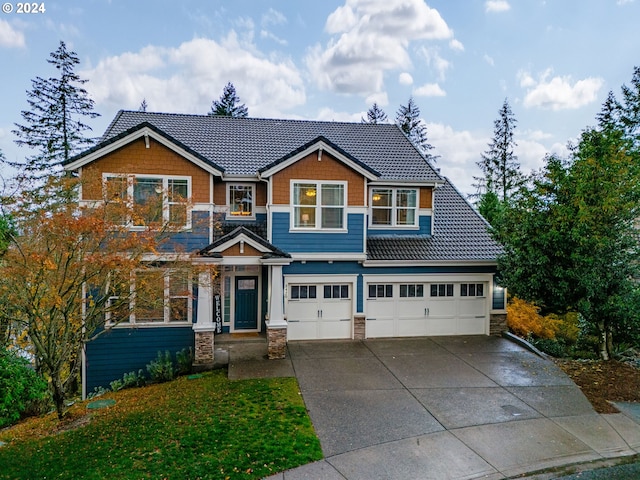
{"points": [[604, 382]]}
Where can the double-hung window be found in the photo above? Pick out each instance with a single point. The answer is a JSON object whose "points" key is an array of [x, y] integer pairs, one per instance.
{"points": [[394, 207], [150, 200], [318, 205], [152, 296]]}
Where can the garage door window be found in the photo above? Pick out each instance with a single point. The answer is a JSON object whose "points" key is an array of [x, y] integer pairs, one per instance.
{"points": [[471, 290], [299, 292], [442, 290], [380, 291], [412, 290], [336, 291]]}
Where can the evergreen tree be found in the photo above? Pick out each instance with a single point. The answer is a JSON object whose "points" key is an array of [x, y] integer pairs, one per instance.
{"points": [[499, 164], [630, 107], [143, 106], [409, 121], [54, 124], [375, 115], [229, 104]]}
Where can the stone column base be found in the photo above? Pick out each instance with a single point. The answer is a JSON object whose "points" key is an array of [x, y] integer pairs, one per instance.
{"points": [[359, 327], [497, 323], [277, 342], [203, 356]]}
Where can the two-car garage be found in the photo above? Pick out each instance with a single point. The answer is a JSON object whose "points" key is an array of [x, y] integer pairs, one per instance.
{"points": [[412, 309], [319, 308]]}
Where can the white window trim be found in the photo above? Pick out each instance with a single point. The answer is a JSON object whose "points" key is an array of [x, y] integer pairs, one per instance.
{"points": [[165, 199], [228, 214], [394, 209], [318, 227], [166, 307]]}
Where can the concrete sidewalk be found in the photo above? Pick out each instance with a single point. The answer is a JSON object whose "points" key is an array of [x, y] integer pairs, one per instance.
{"points": [[443, 408]]}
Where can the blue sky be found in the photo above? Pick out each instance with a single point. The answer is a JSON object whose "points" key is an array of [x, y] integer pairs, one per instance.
{"points": [[555, 61]]}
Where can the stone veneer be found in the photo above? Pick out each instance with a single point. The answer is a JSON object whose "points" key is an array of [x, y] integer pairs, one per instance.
{"points": [[497, 323], [359, 327], [204, 350], [276, 342]]}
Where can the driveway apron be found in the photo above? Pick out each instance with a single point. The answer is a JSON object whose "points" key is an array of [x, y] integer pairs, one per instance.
{"points": [[446, 408]]}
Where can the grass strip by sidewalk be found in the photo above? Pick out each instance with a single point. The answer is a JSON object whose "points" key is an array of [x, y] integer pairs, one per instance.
{"points": [[209, 428]]}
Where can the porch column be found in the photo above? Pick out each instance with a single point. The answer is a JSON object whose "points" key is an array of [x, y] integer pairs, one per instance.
{"points": [[277, 325], [204, 328]]}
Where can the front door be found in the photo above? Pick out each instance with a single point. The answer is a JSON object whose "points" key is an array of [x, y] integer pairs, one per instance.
{"points": [[246, 311]]}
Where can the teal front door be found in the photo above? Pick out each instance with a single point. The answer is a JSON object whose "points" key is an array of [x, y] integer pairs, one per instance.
{"points": [[246, 311]]}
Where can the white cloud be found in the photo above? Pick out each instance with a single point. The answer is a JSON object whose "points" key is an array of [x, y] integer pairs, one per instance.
{"points": [[188, 78], [559, 93], [330, 115], [10, 37], [460, 150], [488, 59], [496, 6], [429, 90], [273, 17], [434, 60], [370, 37], [405, 79], [456, 45], [270, 36], [381, 98]]}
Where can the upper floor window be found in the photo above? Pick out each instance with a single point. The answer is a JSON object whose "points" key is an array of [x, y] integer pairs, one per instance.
{"points": [[394, 207], [150, 199], [319, 205], [241, 200]]}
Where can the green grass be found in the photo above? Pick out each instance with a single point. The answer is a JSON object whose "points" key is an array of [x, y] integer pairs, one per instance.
{"points": [[208, 428]]}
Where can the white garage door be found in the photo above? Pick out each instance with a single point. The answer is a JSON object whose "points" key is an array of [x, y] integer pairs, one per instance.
{"points": [[319, 311], [419, 309]]}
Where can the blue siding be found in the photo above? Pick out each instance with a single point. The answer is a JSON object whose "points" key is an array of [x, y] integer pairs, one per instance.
{"points": [[350, 242], [424, 224], [123, 350], [192, 240], [355, 268]]}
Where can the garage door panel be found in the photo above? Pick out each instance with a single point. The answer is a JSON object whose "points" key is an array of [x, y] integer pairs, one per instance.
{"points": [[319, 317], [380, 318], [302, 330], [334, 329]]}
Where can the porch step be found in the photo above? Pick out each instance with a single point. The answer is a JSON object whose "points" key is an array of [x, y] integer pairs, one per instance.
{"points": [[234, 347], [233, 338]]}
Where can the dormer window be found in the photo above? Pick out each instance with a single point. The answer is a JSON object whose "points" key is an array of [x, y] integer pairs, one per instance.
{"points": [[394, 207], [241, 201]]}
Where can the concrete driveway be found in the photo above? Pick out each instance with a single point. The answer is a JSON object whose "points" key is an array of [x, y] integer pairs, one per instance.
{"points": [[446, 408]]}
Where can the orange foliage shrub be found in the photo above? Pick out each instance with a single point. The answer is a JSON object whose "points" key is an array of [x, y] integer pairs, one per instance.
{"points": [[524, 319]]}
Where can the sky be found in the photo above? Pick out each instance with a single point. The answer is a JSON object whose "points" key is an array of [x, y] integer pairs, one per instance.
{"points": [[553, 60]]}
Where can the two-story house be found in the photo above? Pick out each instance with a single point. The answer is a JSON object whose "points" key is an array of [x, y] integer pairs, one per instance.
{"points": [[318, 230]]}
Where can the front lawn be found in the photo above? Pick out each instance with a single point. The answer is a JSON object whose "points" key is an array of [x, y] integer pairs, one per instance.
{"points": [[205, 428]]}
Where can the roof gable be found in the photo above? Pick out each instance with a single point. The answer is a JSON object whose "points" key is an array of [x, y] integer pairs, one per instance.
{"points": [[242, 235], [143, 130], [320, 145]]}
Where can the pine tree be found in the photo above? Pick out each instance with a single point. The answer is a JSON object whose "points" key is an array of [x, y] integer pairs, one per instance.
{"points": [[499, 164], [630, 107], [375, 115], [409, 121], [229, 104], [143, 106], [54, 125]]}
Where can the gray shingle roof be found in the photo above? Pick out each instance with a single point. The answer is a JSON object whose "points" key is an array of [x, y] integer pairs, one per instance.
{"points": [[459, 234], [242, 146]]}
